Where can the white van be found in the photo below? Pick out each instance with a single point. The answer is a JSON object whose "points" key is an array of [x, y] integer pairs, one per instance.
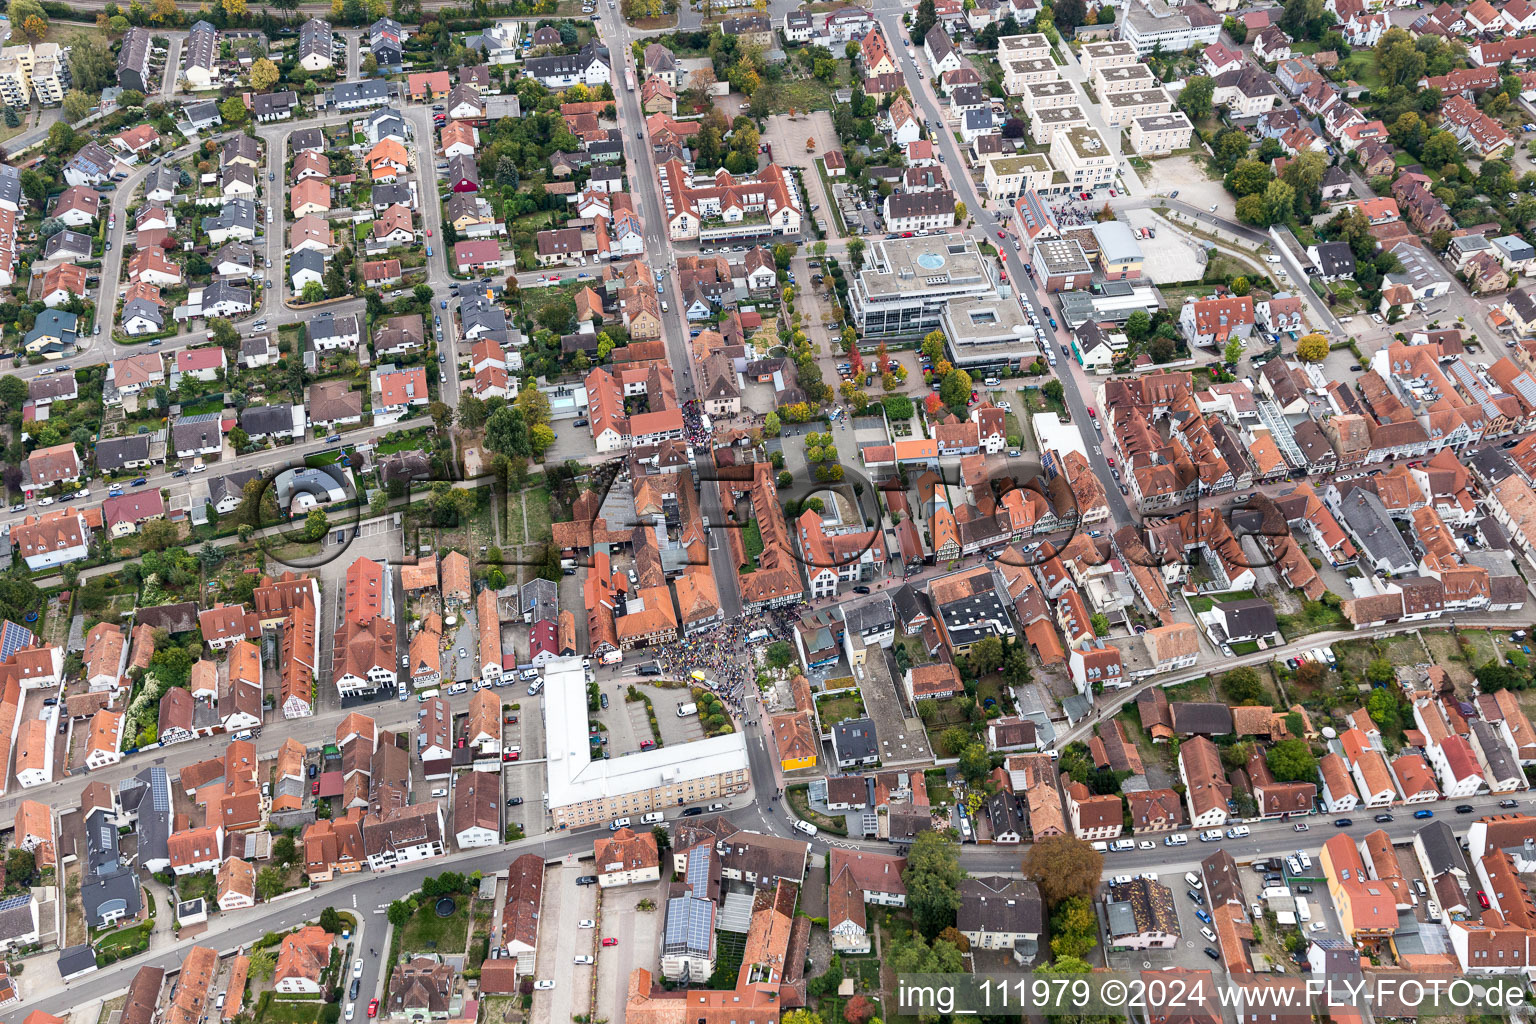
{"points": [[1101, 847], [806, 827], [617, 824], [458, 688], [438, 794], [535, 687], [684, 710], [1193, 880], [654, 818], [426, 695], [1179, 839], [1122, 845], [1304, 860]]}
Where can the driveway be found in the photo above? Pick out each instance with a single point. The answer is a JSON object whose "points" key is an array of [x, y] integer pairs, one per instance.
{"points": [[560, 941], [637, 932]]}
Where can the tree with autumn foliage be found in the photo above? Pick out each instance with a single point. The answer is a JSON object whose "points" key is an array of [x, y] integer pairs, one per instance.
{"points": [[858, 1010], [933, 405], [856, 360]]}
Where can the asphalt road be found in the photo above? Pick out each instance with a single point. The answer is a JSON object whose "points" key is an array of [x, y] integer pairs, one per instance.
{"points": [[662, 256]]}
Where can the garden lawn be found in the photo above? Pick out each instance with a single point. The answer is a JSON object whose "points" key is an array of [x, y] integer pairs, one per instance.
{"points": [[839, 708], [425, 932], [752, 544], [292, 1011]]}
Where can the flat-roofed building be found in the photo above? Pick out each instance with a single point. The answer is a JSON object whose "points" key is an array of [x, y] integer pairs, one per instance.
{"points": [[1109, 54], [905, 283], [583, 791], [1121, 108], [1020, 73], [1028, 46], [1155, 134], [1008, 177], [988, 333], [1061, 264], [1125, 78], [1047, 121], [1084, 157], [1040, 95]]}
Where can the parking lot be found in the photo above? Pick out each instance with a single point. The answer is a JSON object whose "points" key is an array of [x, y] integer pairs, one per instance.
{"points": [[637, 934], [560, 942], [1170, 256]]}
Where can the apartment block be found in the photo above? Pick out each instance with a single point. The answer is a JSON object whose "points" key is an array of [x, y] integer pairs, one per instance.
{"points": [[1084, 157], [1161, 133], [1121, 108]]}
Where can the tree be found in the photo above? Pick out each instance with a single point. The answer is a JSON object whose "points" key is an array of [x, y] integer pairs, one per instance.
{"points": [[234, 8], [1195, 100], [13, 391], [1233, 351], [925, 18], [933, 879], [264, 74], [1053, 390], [1248, 177], [269, 883], [399, 913], [29, 14], [534, 405], [1066, 15], [1382, 706], [316, 524], [330, 920], [1379, 671], [1312, 348], [224, 333], [76, 105], [1310, 673], [859, 1009], [1231, 145], [1292, 761], [960, 212], [20, 867], [158, 534], [233, 111], [1100, 623], [1074, 928], [955, 391], [1063, 867], [1138, 325], [1242, 686]]}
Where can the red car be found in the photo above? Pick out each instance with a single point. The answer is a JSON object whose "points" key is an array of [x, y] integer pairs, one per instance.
{"points": [[1001, 236], [510, 720], [429, 232], [314, 789], [615, 942], [508, 756], [373, 1007], [1482, 898]]}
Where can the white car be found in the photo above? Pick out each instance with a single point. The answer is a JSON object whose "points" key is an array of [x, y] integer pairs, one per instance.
{"points": [[586, 923], [544, 986], [357, 968], [351, 1010], [45, 501], [84, 492], [1318, 926], [583, 959], [1146, 844]]}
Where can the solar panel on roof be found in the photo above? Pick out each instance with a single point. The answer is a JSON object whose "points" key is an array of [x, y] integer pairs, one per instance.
{"points": [[13, 637], [13, 902], [160, 789]]}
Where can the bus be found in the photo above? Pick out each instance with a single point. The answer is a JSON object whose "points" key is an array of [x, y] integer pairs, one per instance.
{"points": [[629, 79]]}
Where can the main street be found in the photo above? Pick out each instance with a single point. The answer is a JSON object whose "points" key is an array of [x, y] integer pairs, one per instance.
{"points": [[641, 169]]}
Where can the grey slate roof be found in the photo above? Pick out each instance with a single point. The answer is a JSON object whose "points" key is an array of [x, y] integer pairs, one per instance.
{"points": [[115, 452], [1367, 519], [261, 420]]}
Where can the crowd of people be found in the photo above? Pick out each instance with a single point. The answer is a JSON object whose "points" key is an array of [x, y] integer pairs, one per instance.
{"points": [[723, 656]]}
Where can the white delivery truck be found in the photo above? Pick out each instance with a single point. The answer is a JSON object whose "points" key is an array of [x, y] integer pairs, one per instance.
{"points": [[684, 710], [1303, 912]]}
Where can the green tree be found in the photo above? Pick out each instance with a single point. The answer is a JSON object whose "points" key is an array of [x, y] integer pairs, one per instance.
{"points": [[399, 913], [20, 867], [1074, 928], [1100, 623], [1241, 686], [316, 524], [1195, 100], [233, 111], [1248, 177], [13, 391], [1231, 145], [955, 390], [933, 878], [1138, 326], [975, 763], [1292, 761], [77, 104], [1233, 351], [1379, 671], [269, 883]]}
